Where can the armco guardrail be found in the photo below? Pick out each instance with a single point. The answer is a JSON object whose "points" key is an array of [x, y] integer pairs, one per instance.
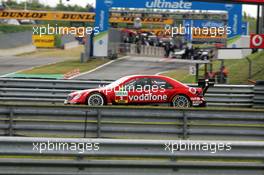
{"points": [[140, 123], [55, 91], [50, 84], [259, 95], [128, 157]]}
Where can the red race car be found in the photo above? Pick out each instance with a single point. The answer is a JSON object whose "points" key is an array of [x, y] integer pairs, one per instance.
{"points": [[140, 89]]}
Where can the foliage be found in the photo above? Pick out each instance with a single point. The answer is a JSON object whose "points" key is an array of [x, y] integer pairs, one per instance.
{"points": [[5, 28], [35, 5]]}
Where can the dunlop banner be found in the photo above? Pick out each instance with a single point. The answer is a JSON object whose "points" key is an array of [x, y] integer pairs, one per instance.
{"points": [[43, 41], [76, 16], [46, 15], [147, 20], [211, 33], [157, 32]]}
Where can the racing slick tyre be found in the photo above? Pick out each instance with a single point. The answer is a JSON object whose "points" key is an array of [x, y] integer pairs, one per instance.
{"points": [[181, 101], [95, 99]]}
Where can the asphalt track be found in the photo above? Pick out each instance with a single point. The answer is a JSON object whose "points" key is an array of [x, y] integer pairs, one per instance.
{"points": [[11, 64], [133, 66]]}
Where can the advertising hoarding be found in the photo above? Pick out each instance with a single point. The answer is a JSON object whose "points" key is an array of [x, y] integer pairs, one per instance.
{"points": [[43, 41]]}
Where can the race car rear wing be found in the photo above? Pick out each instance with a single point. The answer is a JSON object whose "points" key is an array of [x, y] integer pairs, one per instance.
{"points": [[205, 84]]}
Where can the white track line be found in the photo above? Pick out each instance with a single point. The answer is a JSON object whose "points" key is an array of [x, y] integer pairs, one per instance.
{"points": [[99, 67], [30, 68], [162, 72]]}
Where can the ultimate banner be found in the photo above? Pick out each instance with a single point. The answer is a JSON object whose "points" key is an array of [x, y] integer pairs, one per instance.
{"points": [[238, 1]]}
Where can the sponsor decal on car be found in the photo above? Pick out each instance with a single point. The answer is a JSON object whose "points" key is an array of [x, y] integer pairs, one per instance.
{"points": [[121, 101], [192, 90], [148, 97], [121, 93], [196, 101]]}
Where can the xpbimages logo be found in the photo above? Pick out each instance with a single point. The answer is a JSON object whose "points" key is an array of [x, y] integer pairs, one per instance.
{"points": [[169, 5], [188, 145], [80, 148]]}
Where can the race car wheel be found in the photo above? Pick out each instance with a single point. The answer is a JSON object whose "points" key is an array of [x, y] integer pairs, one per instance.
{"points": [[95, 99], [181, 101]]}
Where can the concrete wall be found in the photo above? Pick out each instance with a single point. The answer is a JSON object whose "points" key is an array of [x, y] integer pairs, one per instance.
{"points": [[67, 39], [13, 40]]}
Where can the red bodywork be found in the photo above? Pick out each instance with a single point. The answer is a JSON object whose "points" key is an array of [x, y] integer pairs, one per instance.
{"points": [[154, 89]]}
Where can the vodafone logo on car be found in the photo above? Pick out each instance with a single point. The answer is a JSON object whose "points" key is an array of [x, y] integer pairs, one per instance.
{"points": [[257, 41], [148, 97]]}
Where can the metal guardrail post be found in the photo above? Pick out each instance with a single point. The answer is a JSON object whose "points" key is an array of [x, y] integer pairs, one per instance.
{"points": [[249, 68], [11, 123], [258, 99], [80, 158], [99, 116], [85, 124], [185, 125]]}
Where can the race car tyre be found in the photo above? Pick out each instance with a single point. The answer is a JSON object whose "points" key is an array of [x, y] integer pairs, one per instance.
{"points": [[95, 99], [181, 101]]}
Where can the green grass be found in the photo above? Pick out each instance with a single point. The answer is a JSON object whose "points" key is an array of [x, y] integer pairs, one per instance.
{"points": [[73, 53], [238, 70], [181, 75], [252, 24], [66, 66], [72, 62], [5, 28], [233, 40]]}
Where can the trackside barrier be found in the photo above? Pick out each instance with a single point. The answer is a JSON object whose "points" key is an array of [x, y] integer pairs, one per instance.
{"points": [[144, 50], [55, 91], [259, 95], [133, 49], [139, 123], [51, 84], [126, 157]]}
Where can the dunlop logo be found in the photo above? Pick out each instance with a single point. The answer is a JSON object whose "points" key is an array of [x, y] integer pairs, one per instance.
{"points": [[31, 15], [143, 20], [78, 17]]}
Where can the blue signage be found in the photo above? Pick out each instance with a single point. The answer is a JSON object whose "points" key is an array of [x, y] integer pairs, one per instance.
{"points": [[187, 24], [208, 23], [245, 28]]}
